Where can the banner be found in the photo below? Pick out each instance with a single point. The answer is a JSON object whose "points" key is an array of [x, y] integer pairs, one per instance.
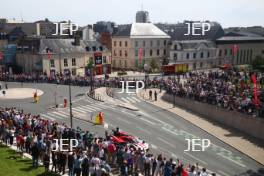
{"points": [[255, 90], [140, 55]]}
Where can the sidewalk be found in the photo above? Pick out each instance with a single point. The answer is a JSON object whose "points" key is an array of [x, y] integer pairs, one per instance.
{"points": [[236, 141]]}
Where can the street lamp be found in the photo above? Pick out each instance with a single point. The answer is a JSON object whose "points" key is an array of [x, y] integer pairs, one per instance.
{"points": [[146, 70], [70, 98]]}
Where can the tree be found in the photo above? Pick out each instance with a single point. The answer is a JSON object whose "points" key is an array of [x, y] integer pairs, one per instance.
{"points": [[258, 63], [153, 64]]}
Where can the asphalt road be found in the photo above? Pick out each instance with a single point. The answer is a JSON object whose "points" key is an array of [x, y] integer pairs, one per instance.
{"points": [[164, 131]]}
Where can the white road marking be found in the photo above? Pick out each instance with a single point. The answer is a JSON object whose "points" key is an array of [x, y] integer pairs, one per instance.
{"points": [[78, 110], [44, 115], [130, 99], [95, 107], [197, 159], [54, 115], [223, 173], [230, 159], [136, 99], [87, 100], [60, 114], [84, 109], [125, 100], [166, 142], [152, 123], [154, 146]]}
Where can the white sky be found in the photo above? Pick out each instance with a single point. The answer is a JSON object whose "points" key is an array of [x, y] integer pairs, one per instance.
{"points": [[227, 12]]}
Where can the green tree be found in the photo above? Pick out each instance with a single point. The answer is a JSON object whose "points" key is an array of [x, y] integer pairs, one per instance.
{"points": [[258, 63], [153, 64]]}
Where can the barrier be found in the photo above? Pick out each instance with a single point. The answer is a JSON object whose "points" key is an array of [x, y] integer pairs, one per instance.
{"points": [[248, 124]]}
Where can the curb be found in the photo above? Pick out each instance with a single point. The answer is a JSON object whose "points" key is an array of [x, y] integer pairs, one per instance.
{"points": [[89, 94]]}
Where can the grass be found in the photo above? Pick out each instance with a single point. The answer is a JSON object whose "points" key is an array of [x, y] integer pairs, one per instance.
{"points": [[12, 164]]}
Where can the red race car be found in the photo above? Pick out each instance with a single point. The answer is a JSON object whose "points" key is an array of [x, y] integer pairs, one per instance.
{"points": [[124, 138]]}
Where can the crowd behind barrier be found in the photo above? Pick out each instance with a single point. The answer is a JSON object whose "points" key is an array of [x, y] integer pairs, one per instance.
{"points": [[232, 90], [94, 155]]}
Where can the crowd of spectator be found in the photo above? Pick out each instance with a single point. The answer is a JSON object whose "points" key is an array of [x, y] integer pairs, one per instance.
{"points": [[231, 90], [94, 155]]}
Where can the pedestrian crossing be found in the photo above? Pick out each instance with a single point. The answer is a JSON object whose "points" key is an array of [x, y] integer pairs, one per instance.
{"points": [[129, 99], [78, 111]]}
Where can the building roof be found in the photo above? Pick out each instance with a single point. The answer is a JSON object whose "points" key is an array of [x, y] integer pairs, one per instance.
{"points": [[196, 44], [240, 37], [177, 31], [66, 46], [141, 30]]}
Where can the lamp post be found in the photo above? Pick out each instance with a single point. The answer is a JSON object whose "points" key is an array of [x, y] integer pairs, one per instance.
{"points": [[146, 70], [70, 98]]}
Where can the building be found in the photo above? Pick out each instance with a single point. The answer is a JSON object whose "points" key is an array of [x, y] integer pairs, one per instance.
{"points": [[195, 51], [248, 46], [53, 56], [196, 54], [142, 17], [137, 44]]}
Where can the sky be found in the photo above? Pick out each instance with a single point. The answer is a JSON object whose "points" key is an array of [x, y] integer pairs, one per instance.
{"points": [[229, 13]]}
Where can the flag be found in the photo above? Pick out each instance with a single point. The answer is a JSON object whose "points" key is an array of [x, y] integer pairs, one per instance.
{"points": [[49, 54], [140, 55], [234, 49], [255, 90]]}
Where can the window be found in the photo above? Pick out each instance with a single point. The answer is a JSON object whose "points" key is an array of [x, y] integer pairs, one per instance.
{"points": [[225, 52], [65, 61], [208, 54], [52, 63], [164, 52], [187, 55], [114, 52], [73, 62], [125, 63], [151, 43], [165, 42], [114, 43], [194, 55], [201, 55], [87, 48], [100, 48], [94, 48], [201, 65], [120, 53], [175, 56], [220, 53], [74, 71], [158, 43], [104, 59], [136, 43], [150, 52], [125, 53], [144, 43], [144, 53], [175, 47], [125, 43], [158, 52], [262, 51], [120, 43], [136, 52]]}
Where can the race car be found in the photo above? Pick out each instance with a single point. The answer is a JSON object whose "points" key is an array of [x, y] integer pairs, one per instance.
{"points": [[134, 142]]}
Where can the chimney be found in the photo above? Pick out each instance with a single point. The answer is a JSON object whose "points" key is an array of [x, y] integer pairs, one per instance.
{"points": [[38, 29], [76, 40]]}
